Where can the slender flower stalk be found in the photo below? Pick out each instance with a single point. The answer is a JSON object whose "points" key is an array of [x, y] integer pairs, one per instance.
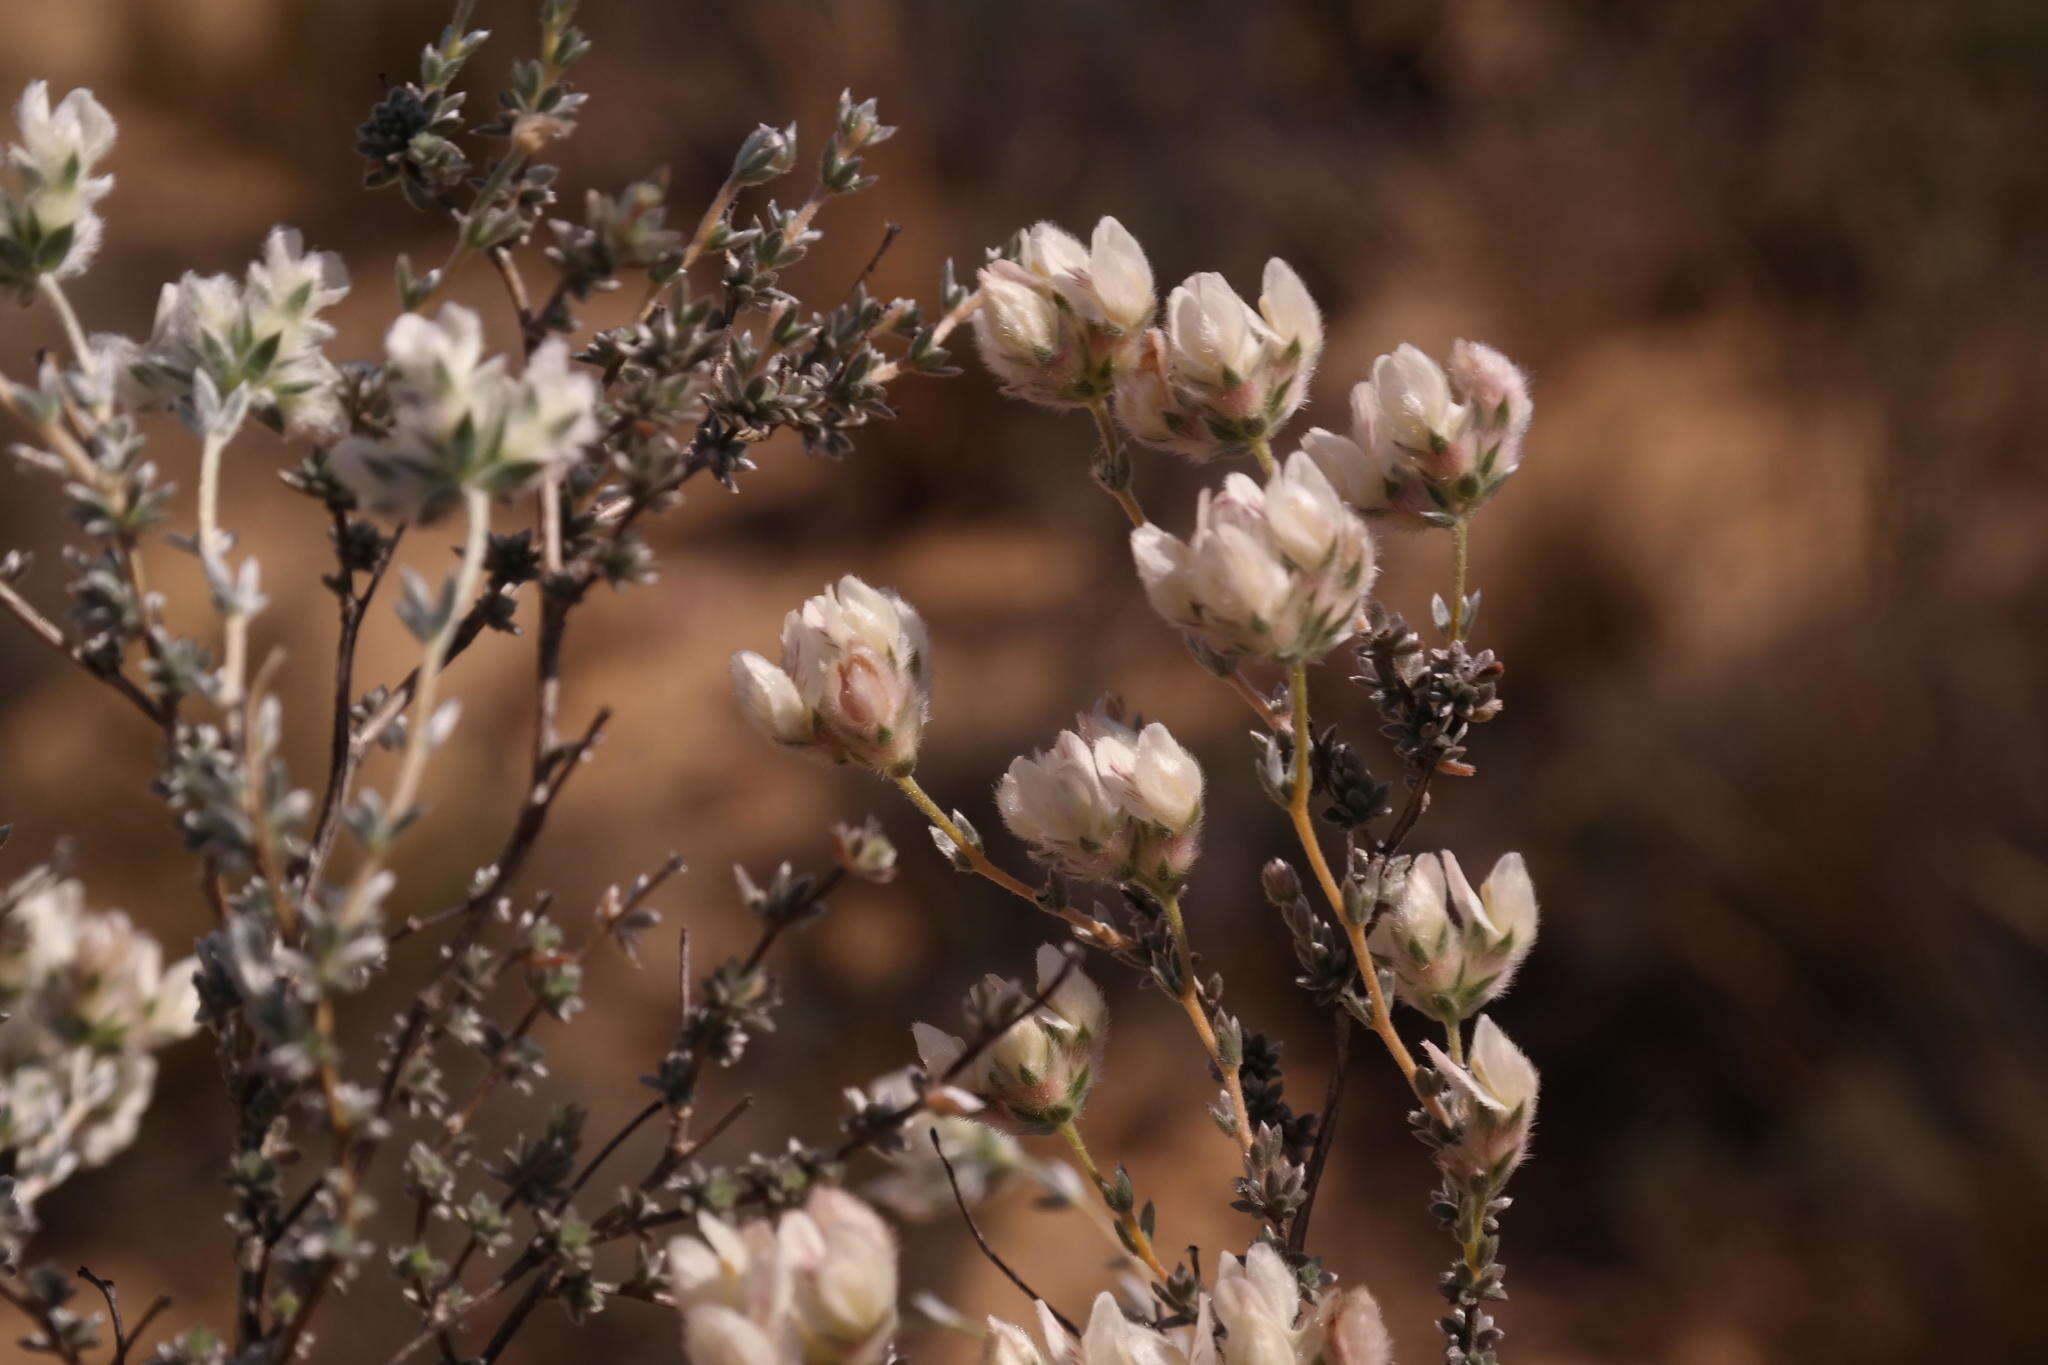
{"points": [[1191, 1003], [1140, 1241]]}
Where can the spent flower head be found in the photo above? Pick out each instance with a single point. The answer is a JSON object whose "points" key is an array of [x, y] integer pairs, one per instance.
{"points": [[1279, 572], [854, 683]]}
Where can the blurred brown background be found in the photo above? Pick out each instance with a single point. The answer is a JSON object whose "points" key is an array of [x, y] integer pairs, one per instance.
{"points": [[1770, 589]]}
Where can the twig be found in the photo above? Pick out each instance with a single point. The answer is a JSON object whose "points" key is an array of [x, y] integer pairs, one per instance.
{"points": [[123, 1340], [998, 1262], [1326, 1133]]}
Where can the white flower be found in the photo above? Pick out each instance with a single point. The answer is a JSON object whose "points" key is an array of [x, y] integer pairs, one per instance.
{"points": [[1355, 1333], [264, 335], [461, 420], [1060, 322], [1223, 377], [88, 997], [1278, 573], [1498, 1085], [916, 1188], [1257, 1301], [855, 679], [844, 1270], [1454, 951], [817, 1285], [50, 226], [1427, 442], [1107, 802]]}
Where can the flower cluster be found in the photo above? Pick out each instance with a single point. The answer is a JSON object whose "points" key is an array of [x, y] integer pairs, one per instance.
{"points": [[1257, 1302], [1222, 377], [51, 227], [816, 1285], [87, 999], [854, 683], [460, 421], [1497, 1085], [1038, 1069], [264, 334], [1276, 573], [1453, 951], [1060, 323], [1108, 803], [1427, 441]]}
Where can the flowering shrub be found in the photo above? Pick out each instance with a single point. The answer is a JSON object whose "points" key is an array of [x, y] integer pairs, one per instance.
{"points": [[575, 439]]}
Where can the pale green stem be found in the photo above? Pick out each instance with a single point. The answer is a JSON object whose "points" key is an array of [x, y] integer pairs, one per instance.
{"points": [[1141, 1243], [1263, 449], [1191, 1004]]}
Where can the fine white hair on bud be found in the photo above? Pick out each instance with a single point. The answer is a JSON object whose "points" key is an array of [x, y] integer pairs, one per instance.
{"points": [[49, 225], [1429, 442], [1223, 377], [1278, 573], [1060, 321], [1453, 950], [1497, 1089], [264, 336], [460, 420], [854, 684], [1108, 802]]}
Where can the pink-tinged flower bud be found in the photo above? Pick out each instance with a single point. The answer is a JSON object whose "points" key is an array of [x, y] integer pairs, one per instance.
{"points": [[1496, 1089], [1223, 377], [1356, 1333], [1426, 441], [1453, 951], [1108, 803], [854, 682], [1059, 323], [1277, 573], [717, 1335]]}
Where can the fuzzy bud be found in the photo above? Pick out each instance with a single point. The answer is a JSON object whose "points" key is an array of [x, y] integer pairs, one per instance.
{"points": [[854, 683], [1108, 803], [1453, 951], [1497, 1086]]}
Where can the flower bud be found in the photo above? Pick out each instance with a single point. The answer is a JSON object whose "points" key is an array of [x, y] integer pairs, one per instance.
{"points": [[1425, 442], [1356, 1334], [1039, 1068], [1257, 1301], [768, 152], [854, 682], [1221, 377], [1279, 573], [843, 1259], [1497, 1089], [1452, 951], [1061, 321]]}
